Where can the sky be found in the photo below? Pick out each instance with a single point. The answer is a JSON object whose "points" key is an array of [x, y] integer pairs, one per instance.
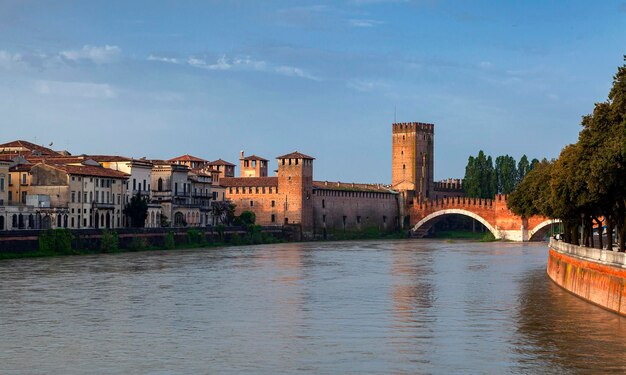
{"points": [[210, 78]]}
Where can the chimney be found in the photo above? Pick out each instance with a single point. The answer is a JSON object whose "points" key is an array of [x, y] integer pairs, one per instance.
{"points": [[241, 154]]}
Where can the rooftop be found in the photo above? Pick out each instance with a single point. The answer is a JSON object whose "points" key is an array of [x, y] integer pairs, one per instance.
{"points": [[221, 162], [188, 157], [295, 155]]}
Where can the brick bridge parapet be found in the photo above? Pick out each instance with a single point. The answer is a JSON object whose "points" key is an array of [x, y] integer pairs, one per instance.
{"points": [[492, 213]]}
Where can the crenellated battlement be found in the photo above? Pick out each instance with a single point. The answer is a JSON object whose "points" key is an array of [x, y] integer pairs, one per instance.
{"points": [[407, 127], [450, 184], [455, 202]]}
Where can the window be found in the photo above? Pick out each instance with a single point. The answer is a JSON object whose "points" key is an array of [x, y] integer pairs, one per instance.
{"points": [[323, 203], [273, 218], [85, 197], [1, 183], [134, 184], [358, 219], [273, 203], [9, 180], [384, 219], [24, 178], [90, 196], [323, 218], [24, 197], [144, 185], [251, 203], [160, 184], [97, 183], [73, 196], [79, 194]]}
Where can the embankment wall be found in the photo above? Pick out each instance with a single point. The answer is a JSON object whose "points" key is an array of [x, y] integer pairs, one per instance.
{"points": [[598, 276]]}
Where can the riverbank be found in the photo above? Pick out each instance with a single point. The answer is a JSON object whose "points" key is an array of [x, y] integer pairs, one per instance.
{"points": [[598, 276], [64, 242]]}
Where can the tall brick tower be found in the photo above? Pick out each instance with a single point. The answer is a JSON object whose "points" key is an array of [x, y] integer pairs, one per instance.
{"points": [[412, 151], [295, 183]]}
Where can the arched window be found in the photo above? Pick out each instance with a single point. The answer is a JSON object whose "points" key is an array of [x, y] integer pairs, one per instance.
{"points": [[160, 184]]}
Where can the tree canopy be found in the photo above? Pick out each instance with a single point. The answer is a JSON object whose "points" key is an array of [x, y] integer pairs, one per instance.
{"points": [[483, 179], [585, 184], [137, 210]]}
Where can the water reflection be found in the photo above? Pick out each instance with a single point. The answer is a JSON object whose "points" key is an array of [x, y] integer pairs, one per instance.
{"points": [[399, 307], [558, 331]]}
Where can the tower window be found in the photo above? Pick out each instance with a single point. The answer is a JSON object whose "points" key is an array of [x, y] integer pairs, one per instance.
{"points": [[403, 166]]}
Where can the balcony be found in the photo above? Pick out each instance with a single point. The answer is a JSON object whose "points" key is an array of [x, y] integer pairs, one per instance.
{"points": [[104, 206]]}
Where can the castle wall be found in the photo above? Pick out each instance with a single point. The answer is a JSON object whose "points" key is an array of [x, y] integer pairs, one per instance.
{"points": [[267, 204], [345, 210]]}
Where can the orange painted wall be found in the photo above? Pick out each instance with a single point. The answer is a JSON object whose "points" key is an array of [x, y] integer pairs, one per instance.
{"points": [[598, 283]]}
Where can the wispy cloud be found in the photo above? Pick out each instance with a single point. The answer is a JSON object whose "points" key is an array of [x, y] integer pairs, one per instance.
{"points": [[365, 85], [96, 54], [365, 23], [10, 60], [246, 63], [221, 63], [170, 60], [76, 89]]}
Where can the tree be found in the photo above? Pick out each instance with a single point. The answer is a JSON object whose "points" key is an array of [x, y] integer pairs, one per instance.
{"points": [[223, 212], [137, 210], [506, 175], [247, 218], [587, 180], [523, 167]]}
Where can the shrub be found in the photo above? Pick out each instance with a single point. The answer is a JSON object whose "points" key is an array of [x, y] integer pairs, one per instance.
{"points": [[138, 244], [109, 241], [170, 243], [57, 241]]}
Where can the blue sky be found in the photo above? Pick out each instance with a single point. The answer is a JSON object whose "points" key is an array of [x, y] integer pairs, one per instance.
{"points": [[164, 78]]}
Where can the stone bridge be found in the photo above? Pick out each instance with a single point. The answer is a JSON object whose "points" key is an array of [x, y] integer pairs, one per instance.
{"points": [[492, 213]]}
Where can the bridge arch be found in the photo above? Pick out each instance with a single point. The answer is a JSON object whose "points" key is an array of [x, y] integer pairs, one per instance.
{"points": [[456, 211], [541, 229]]}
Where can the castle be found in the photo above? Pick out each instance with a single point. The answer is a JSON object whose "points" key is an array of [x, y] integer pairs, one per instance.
{"points": [[322, 208], [41, 188]]}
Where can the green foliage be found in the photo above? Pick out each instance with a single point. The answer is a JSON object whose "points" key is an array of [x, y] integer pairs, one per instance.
{"points": [[246, 218], [488, 237], [220, 231], [196, 237], [164, 221], [109, 241], [479, 180], [507, 174], [138, 244], [170, 242], [586, 183], [137, 210], [56, 241]]}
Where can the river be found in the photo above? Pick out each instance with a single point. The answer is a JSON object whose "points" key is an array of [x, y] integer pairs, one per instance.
{"points": [[401, 307]]}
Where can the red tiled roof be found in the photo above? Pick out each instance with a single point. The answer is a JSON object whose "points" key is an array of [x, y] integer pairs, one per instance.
{"points": [[254, 157], [221, 162], [295, 155], [88, 170], [248, 181], [188, 157], [374, 188], [27, 146], [21, 168], [111, 158]]}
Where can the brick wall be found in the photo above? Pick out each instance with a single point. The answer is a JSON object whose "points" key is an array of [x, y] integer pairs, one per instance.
{"points": [[338, 210]]}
